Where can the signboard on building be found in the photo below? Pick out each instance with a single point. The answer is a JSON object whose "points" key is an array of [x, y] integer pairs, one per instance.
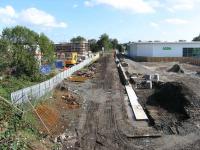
{"points": [[167, 48]]}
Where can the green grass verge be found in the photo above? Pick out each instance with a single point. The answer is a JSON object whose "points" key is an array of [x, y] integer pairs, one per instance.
{"points": [[11, 84]]}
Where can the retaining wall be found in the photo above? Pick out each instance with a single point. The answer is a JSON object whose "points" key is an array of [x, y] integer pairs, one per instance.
{"points": [[193, 61]]}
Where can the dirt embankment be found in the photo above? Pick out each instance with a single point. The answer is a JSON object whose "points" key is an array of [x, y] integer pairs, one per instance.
{"points": [[176, 69], [172, 108], [172, 96], [52, 111]]}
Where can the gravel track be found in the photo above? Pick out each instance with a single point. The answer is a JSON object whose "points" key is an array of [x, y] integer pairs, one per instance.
{"points": [[101, 130]]}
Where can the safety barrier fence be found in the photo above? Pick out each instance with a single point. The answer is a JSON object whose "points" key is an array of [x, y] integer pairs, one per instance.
{"points": [[37, 91]]}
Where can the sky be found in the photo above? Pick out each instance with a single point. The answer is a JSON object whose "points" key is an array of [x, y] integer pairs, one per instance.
{"points": [[126, 20]]}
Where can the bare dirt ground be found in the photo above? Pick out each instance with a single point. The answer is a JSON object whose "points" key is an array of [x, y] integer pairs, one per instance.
{"points": [[99, 126], [173, 106], [105, 121]]}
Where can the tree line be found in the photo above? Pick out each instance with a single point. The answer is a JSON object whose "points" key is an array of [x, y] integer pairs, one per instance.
{"points": [[104, 42], [18, 46], [197, 38]]}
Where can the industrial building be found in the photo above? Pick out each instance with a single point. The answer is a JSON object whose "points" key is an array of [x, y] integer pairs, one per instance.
{"points": [[164, 49]]}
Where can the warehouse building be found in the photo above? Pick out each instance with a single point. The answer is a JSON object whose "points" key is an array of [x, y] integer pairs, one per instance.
{"points": [[164, 49]]}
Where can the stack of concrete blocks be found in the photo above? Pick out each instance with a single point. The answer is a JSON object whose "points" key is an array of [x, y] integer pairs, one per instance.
{"points": [[151, 78]]}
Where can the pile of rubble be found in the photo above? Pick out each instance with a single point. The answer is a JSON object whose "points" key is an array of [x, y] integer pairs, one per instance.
{"points": [[77, 78], [143, 81], [123, 63], [176, 69], [89, 72], [69, 99], [198, 73], [68, 139]]}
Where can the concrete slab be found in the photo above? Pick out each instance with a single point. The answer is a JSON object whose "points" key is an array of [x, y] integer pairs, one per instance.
{"points": [[137, 108]]}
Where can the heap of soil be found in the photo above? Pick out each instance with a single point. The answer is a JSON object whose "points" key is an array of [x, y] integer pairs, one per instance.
{"points": [[176, 68], [172, 96], [198, 73]]}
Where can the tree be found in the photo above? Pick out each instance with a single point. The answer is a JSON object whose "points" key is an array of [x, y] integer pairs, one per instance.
{"points": [[197, 38], [23, 43], [5, 55], [120, 47], [104, 41], [78, 39], [93, 45], [115, 43], [47, 48]]}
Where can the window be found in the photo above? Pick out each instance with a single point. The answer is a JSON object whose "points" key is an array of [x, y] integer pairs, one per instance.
{"points": [[191, 52]]}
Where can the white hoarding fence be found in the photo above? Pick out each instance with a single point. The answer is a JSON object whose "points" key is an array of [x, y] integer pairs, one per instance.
{"points": [[39, 90]]}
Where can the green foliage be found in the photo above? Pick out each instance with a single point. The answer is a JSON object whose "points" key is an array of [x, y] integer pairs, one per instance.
{"points": [[93, 45], [9, 123], [47, 48], [11, 137], [197, 38], [17, 129], [114, 43], [121, 47], [18, 46], [78, 39], [5, 55], [11, 84], [24, 43], [104, 42], [21, 36]]}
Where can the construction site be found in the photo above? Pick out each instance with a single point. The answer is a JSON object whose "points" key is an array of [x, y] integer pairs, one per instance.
{"points": [[99, 75], [117, 103]]}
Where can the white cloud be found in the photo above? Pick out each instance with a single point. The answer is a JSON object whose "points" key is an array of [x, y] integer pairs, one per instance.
{"points": [[136, 6], [154, 25], [155, 3], [29, 16], [7, 15], [181, 5], [176, 21], [147, 6], [40, 18], [8, 11]]}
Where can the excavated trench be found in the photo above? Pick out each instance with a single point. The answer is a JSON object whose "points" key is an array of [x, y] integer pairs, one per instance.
{"points": [[172, 96], [169, 106]]}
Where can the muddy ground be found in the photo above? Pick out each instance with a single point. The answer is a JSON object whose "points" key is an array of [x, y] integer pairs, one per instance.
{"points": [[105, 120], [173, 105]]}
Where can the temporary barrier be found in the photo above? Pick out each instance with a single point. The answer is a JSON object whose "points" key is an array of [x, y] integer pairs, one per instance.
{"points": [[39, 90]]}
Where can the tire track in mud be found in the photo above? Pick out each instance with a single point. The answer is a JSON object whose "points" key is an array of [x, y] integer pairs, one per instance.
{"points": [[101, 130]]}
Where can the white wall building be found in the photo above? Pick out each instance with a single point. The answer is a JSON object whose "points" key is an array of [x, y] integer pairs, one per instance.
{"points": [[164, 49]]}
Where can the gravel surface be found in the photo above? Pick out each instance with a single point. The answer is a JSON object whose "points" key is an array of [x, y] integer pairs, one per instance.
{"points": [[181, 129], [105, 118]]}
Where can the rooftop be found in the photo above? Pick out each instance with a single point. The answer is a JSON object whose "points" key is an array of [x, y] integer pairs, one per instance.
{"points": [[166, 42]]}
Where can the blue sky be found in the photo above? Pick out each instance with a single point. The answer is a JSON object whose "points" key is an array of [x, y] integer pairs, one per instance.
{"points": [[126, 20]]}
